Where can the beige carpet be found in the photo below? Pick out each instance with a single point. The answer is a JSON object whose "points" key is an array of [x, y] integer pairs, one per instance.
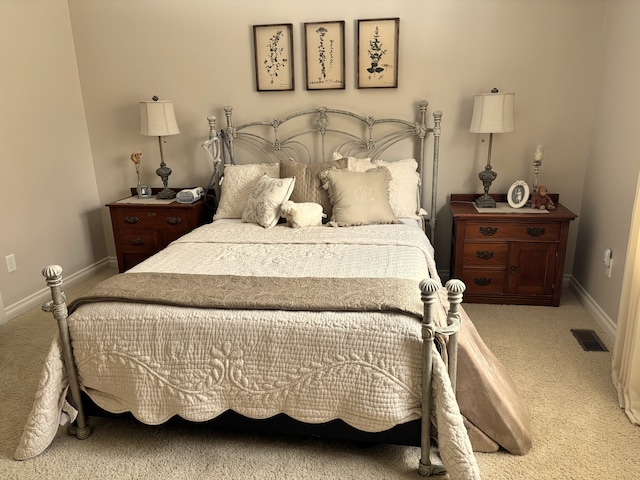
{"points": [[579, 431]]}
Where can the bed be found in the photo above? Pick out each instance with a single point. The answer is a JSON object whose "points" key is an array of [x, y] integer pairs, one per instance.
{"points": [[342, 324]]}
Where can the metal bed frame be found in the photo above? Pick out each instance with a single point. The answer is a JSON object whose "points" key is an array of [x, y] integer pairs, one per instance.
{"points": [[279, 146]]}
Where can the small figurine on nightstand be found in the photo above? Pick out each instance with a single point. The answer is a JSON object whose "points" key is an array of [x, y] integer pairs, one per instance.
{"points": [[541, 200]]}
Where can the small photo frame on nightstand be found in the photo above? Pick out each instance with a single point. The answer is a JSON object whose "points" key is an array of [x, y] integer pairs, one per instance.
{"points": [[144, 191], [518, 194]]}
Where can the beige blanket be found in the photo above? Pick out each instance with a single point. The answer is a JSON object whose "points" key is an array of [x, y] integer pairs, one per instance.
{"points": [[241, 292], [363, 367]]}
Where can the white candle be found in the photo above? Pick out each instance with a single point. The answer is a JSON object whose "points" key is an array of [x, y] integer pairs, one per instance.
{"points": [[539, 154]]}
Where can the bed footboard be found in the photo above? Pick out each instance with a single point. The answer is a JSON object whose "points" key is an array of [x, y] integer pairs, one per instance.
{"points": [[429, 289], [429, 295], [57, 305]]}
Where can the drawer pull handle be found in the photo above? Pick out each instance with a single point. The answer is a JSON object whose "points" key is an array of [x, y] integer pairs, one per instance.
{"points": [[137, 241], [535, 231], [488, 231], [482, 281], [174, 220], [513, 269], [484, 254], [131, 219]]}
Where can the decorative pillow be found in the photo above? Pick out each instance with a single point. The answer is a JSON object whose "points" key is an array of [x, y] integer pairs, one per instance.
{"points": [[308, 187], [403, 188], [355, 164], [359, 198], [263, 205], [237, 184]]}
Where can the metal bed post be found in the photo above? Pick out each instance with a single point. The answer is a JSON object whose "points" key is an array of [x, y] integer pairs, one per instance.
{"points": [[437, 118], [455, 289], [53, 274], [429, 289]]}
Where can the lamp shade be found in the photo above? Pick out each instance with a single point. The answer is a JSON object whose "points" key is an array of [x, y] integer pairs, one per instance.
{"points": [[157, 119], [493, 113]]}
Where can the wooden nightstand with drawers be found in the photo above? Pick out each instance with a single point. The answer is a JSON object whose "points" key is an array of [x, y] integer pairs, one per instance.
{"points": [[510, 258], [142, 227]]}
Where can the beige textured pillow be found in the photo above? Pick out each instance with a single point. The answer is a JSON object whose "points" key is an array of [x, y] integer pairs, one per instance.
{"points": [[265, 200], [355, 164], [237, 184], [359, 198], [308, 187], [403, 188]]}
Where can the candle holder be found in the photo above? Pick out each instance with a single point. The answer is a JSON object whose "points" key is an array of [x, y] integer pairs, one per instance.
{"points": [[538, 155]]}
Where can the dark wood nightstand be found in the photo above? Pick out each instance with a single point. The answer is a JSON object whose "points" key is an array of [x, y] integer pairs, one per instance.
{"points": [[142, 227], [511, 258]]}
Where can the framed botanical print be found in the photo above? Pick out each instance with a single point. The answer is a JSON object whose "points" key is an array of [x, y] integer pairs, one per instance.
{"points": [[273, 47], [324, 55], [378, 53]]}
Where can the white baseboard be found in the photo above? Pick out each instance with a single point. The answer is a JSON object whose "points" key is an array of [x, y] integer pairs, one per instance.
{"points": [[38, 298], [601, 318]]}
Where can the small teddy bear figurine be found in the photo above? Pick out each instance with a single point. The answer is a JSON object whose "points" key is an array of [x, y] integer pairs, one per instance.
{"points": [[541, 200]]}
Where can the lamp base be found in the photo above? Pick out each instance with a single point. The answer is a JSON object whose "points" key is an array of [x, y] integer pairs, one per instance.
{"points": [[166, 194], [485, 201]]}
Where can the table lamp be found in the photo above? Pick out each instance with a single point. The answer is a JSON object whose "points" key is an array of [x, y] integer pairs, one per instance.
{"points": [[492, 113], [157, 119]]}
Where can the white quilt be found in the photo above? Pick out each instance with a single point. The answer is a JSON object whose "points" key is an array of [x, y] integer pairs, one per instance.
{"points": [[364, 368]]}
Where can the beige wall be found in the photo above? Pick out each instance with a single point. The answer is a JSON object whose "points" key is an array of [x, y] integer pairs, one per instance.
{"points": [[50, 209], [613, 162], [199, 54]]}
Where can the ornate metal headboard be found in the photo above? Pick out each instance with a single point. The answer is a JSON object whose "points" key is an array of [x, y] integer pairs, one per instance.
{"points": [[317, 133]]}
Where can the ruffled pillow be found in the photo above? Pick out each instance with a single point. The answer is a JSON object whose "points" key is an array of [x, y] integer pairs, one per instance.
{"points": [[404, 186], [359, 198], [237, 184]]}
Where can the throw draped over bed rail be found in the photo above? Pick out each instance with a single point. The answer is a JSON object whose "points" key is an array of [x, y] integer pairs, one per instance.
{"points": [[329, 130]]}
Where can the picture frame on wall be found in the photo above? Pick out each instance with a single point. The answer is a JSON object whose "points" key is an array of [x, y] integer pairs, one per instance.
{"points": [[273, 49], [378, 41], [324, 55]]}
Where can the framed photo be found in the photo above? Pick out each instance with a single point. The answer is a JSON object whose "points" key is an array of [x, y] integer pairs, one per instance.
{"points": [[273, 48], [324, 55], [518, 194], [144, 191], [378, 53]]}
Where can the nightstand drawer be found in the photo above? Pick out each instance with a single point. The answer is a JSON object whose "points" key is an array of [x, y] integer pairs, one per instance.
{"points": [[544, 232], [142, 240], [150, 218], [483, 281], [485, 254]]}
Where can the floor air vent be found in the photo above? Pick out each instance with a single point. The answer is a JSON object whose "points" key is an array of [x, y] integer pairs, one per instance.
{"points": [[589, 340]]}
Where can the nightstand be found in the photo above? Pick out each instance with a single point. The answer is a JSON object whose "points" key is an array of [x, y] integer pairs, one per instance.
{"points": [[144, 226], [510, 258]]}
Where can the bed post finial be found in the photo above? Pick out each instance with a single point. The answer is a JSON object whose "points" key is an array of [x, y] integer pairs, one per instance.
{"points": [[58, 305], [437, 119], [212, 126]]}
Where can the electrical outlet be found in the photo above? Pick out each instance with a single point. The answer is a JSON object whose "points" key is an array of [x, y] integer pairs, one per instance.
{"points": [[11, 263]]}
